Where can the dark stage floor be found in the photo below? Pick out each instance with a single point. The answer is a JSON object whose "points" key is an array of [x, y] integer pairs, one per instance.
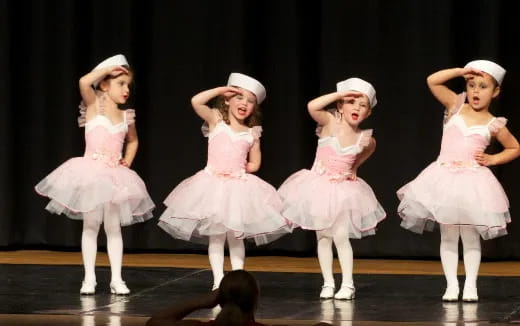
{"points": [[33, 294]]}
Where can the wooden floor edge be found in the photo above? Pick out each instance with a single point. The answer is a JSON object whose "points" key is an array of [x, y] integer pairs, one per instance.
{"points": [[256, 263]]}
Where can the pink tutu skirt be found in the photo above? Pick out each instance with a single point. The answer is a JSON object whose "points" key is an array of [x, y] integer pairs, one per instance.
{"points": [[313, 202], [82, 185], [456, 196], [206, 204]]}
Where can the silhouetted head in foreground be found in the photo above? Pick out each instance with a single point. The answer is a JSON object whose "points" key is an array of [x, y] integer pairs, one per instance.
{"points": [[238, 297]]}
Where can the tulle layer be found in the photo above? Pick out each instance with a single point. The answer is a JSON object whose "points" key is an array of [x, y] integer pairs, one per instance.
{"points": [[207, 204], [313, 202], [456, 196], [82, 185]]}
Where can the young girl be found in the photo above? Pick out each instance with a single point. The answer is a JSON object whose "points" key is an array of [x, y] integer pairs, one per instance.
{"points": [[100, 187], [458, 190], [330, 198], [224, 200]]}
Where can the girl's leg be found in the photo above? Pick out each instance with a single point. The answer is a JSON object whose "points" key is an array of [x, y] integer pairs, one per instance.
{"points": [[115, 248], [216, 257], [450, 259], [91, 224], [325, 258], [472, 254], [237, 251], [345, 256]]}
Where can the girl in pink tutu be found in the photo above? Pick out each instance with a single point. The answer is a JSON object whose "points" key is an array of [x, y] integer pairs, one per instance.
{"points": [[100, 187], [458, 191], [330, 198], [224, 201]]}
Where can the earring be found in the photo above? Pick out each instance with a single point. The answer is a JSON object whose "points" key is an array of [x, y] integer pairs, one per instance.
{"points": [[339, 116]]}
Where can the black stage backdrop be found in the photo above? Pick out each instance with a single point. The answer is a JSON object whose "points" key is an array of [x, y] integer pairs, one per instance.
{"points": [[298, 49]]}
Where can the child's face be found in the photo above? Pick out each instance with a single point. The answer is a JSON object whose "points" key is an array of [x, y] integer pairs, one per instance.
{"points": [[118, 88], [481, 90], [355, 109], [241, 106]]}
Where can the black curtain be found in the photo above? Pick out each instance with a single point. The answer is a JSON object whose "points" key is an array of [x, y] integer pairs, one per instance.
{"points": [[298, 49]]}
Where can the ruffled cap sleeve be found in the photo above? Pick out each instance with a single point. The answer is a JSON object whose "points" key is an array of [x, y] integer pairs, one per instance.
{"points": [[256, 131], [364, 139], [130, 116], [336, 115], [318, 130], [449, 112], [205, 128], [82, 119], [497, 124]]}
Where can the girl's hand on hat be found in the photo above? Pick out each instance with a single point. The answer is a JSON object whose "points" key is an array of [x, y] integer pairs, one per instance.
{"points": [[230, 91], [117, 70], [469, 72], [349, 94]]}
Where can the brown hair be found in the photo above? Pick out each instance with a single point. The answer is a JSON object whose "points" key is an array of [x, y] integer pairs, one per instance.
{"points": [[238, 296], [255, 119]]}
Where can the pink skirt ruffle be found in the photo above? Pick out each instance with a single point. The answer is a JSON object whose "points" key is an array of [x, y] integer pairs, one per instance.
{"points": [[82, 185], [455, 196], [313, 202], [205, 205]]}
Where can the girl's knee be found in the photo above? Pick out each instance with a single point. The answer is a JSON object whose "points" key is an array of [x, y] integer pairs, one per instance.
{"points": [[470, 238], [450, 233], [91, 225], [112, 228], [342, 241]]}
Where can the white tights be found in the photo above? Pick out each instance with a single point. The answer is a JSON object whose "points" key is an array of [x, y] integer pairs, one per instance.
{"points": [[450, 253], [91, 223], [216, 254], [345, 255]]}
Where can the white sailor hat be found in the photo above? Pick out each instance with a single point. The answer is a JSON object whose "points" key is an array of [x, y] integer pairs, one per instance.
{"points": [[358, 85], [489, 67], [116, 60], [246, 82]]}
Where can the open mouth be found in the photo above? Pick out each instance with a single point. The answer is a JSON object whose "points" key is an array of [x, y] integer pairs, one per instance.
{"points": [[242, 111], [354, 116], [476, 99]]}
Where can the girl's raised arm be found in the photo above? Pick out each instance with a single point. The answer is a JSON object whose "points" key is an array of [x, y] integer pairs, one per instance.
{"points": [[443, 94], [88, 94], [199, 101]]}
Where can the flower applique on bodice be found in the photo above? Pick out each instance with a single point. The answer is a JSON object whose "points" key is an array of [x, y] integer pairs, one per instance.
{"points": [[460, 142], [336, 161], [104, 140], [228, 149]]}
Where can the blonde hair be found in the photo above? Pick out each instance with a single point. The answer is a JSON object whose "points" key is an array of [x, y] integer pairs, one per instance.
{"points": [[255, 119]]}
